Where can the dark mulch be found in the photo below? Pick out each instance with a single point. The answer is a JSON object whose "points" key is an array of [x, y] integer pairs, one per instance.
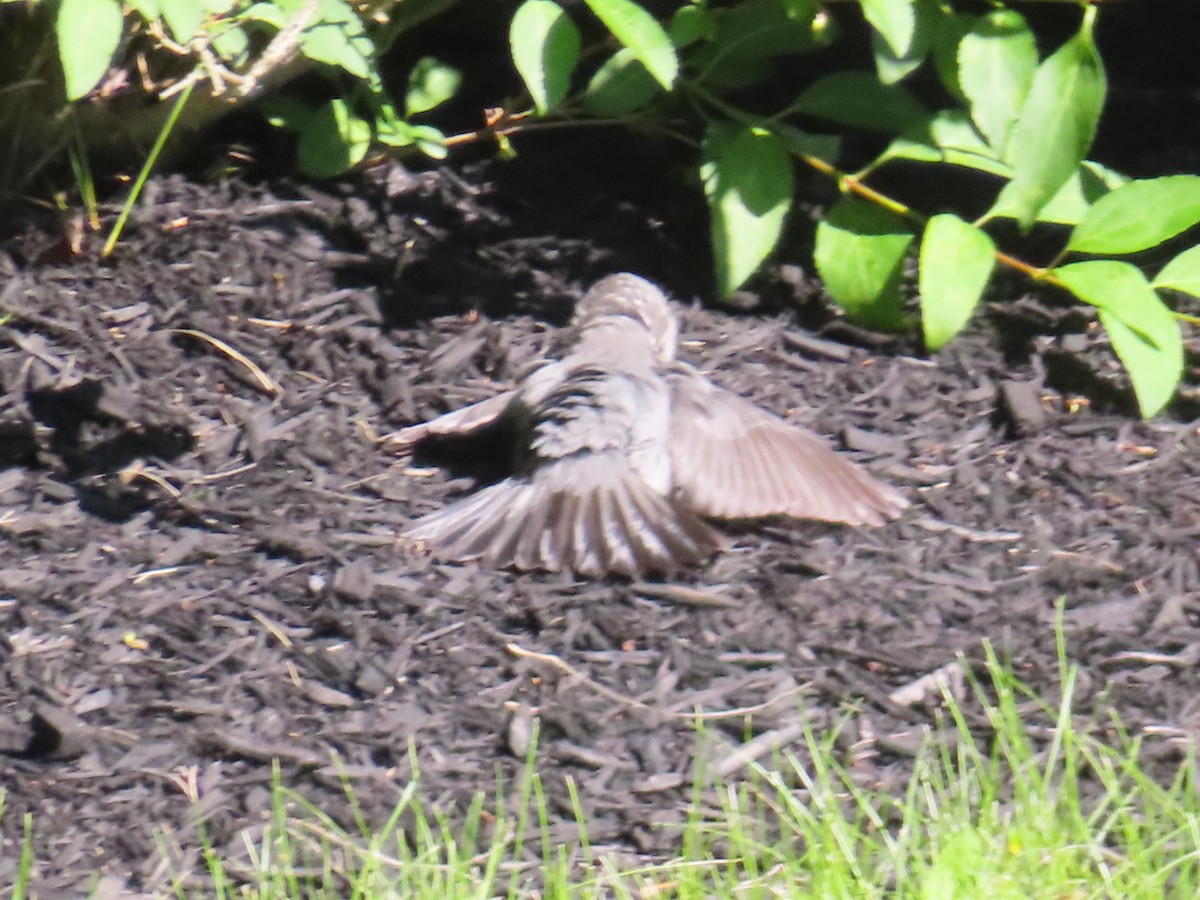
{"points": [[200, 572]]}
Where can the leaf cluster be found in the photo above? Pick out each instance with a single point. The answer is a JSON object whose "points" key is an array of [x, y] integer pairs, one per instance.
{"points": [[1024, 120]]}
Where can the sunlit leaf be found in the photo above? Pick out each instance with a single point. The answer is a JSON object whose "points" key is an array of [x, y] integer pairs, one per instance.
{"points": [[1140, 215], [950, 138], [1143, 331], [636, 29], [1056, 126], [997, 60], [956, 262], [183, 18], [748, 181], [893, 20], [1182, 273], [430, 84], [545, 48], [88, 33], [620, 87], [333, 140], [859, 253]]}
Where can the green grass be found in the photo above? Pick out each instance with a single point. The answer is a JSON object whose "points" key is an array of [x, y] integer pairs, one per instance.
{"points": [[1070, 814]]}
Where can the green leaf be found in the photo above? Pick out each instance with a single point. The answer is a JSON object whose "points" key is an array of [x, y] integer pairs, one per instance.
{"points": [[997, 60], [950, 138], [956, 262], [232, 43], [333, 140], [88, 33], [748, 180], [338, 39], [268, 13], [690, 24], [825, 147], [1087, 185], [430, 84], [801, 10], [747, 39], [1140, 215], [860, 100], [640, 32], [894, 20], [620, 87], [430, 141], [944, 41], [893, 67], [545, 48], [1142, 329], [859, 253], [1182, 273], [1056, 126], [183, 18], [147, 9]]}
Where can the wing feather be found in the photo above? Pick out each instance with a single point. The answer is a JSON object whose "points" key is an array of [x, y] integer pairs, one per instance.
{"points": [[592, 515], [731, 459]]}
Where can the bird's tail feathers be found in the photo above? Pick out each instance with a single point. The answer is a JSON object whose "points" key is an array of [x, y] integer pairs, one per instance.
{"points": [[592, 515]]}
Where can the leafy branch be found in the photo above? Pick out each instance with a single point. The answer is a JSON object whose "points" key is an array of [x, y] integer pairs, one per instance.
{"points": [[1025, 121]]}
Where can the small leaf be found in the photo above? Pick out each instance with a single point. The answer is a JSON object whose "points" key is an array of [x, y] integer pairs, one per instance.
{"points": [[860, 100], [947, 138], [748, 180], [1140, 215], [826, 147], [183, 18], [690, 24], [232, 44], [957, 260], [1182, 273], [430, 141], [1056, 126], [891, 67], [268, 13], [431, 83], [338, 39], [620, 87], [894, 20], [545, 48], [636, 29], [147, 9], [333, 140], [1142, 329], [88, 33], [944, 42], [1087, 185], [997, 61], [859, 253]]}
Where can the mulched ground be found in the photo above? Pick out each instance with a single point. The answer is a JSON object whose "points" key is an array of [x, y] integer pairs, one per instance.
{"points": [[200, 574]]}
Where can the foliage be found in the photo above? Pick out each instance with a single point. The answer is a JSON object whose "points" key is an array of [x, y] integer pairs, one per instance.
{"points": [[1025, 122], [243, 49]]}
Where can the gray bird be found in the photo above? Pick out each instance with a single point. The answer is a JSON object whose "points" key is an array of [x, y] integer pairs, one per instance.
{"points": [[624, 452]]}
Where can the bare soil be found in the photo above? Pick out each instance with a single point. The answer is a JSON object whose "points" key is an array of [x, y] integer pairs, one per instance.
{"points": [[200, 575]]}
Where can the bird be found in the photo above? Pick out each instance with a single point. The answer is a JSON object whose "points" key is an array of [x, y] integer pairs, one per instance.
{"points": [[623, 455]]}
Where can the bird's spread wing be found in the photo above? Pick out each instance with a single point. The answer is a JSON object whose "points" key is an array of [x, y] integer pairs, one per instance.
{"points": [[460, 421], [591, 515], [731, 459]]}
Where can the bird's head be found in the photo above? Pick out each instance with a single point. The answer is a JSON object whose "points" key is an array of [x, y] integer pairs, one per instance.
{"points": [[632, 297]]}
